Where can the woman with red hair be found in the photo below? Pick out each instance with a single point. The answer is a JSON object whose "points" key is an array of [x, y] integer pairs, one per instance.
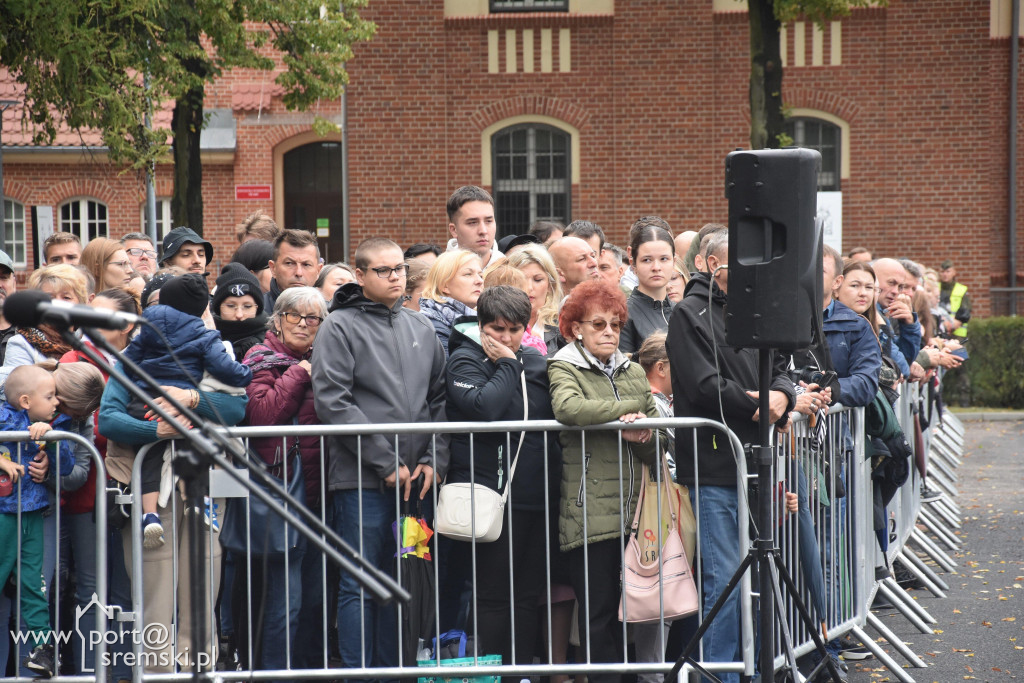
{"points": [[592, 382]]}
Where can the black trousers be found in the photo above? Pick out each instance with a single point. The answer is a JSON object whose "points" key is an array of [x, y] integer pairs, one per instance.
{"points": [[498, 598], [599, 616]]}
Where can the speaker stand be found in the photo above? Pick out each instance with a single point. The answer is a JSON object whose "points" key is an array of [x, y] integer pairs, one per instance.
{"points": [[771, 569]]}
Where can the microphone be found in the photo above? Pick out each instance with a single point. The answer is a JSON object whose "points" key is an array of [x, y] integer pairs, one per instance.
{"points": [[33, 307]]}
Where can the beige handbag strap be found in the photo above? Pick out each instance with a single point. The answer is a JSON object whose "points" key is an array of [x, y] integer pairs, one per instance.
{"points": [[666, 485]]}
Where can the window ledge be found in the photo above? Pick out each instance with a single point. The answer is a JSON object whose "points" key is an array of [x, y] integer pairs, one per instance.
{"points": [[515, 18]]}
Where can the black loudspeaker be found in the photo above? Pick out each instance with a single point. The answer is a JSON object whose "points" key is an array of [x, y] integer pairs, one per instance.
{"points": [[775, 279]]}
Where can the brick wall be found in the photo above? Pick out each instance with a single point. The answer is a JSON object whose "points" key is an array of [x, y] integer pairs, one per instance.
{"points": [[658, 93]]}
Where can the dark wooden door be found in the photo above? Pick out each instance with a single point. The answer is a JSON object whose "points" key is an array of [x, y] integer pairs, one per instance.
{"points": [[312, 194]]}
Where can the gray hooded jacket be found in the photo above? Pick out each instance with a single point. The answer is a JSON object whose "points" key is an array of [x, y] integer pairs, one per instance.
{"points": [[374, 364]]}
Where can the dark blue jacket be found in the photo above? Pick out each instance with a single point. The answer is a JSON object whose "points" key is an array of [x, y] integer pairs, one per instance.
{"points": [[33, 496], [901, 342], [196, 347], [856, 355]]}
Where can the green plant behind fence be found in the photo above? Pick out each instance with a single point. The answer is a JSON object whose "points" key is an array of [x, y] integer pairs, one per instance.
{"points": [[995, 371]]}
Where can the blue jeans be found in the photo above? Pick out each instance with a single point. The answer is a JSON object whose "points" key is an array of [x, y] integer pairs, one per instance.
{"points": [[119, 592], [716, 508], [367, 632], [281, 609], [308, 646], [82, 530]]}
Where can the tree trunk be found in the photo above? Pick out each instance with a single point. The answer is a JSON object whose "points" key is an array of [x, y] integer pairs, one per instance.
{"points": [[766, 120], [187, 126]]}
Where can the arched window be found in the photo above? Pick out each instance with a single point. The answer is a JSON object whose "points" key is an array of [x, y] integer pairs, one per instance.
{"points": [[531, 176], [14, 231], [824, 136], [84, 217], [163, 217]]}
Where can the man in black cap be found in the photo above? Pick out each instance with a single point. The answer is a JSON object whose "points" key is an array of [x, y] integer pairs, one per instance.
{"points": [[184, 248], [953, 297], [509, 243]]}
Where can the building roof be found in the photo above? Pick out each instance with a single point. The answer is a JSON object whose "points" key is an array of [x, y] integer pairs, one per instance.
{"points": [[218, 135]]}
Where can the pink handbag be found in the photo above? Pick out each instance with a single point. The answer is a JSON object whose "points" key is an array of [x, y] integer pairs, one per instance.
{"points": [[665, 586]]}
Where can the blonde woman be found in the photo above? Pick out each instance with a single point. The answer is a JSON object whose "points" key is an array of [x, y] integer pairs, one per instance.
{"points": [[454, 283], [31, 345], [544, 290]]}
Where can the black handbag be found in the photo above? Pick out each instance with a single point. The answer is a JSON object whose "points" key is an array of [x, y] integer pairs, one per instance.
{"points": [[268, 533]]}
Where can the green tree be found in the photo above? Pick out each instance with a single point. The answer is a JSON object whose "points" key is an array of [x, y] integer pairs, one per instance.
{"points": [[767, 118], [101, 64]]}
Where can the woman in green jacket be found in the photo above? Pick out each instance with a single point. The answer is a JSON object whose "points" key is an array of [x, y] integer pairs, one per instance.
{"points": [[592, 382]]}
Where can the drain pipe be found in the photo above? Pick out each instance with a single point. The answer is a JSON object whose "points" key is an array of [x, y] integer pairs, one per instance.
{"points": [[1012, 175]]}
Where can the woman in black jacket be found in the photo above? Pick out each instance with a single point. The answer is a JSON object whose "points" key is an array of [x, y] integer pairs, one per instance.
{"points": [[484, 383]]}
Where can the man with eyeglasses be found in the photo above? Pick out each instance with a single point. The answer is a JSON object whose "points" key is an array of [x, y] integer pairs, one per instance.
{"points": [[141, 252], [374, 362], [296, 263], [900, 336], [714, 381]]}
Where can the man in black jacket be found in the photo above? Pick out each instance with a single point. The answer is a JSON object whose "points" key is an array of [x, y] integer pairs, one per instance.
{"points": [[486, 372], [721, 391]]}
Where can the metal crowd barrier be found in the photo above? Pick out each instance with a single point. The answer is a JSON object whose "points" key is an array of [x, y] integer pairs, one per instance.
{"points": [[841, 544], [177, 641], [80, 635]]}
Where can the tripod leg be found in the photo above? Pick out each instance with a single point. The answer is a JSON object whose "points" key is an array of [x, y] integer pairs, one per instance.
{"points": [[715, 609], [779, 570]]}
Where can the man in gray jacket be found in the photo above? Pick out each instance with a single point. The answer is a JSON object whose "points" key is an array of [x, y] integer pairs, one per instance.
{"points": [[375, 362]]}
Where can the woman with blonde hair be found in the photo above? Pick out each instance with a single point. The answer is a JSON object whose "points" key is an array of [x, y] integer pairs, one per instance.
{"points": [[544, 290], [454, 283], [108, 263], [31, 345], [501, 272]]}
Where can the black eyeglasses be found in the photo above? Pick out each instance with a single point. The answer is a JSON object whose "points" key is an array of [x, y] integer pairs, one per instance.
{"points": [[384, 272], [599, 325], [294, 318], [136, 251]]}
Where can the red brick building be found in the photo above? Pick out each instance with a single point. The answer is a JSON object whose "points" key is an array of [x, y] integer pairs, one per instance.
{"points": [[598, 109]]}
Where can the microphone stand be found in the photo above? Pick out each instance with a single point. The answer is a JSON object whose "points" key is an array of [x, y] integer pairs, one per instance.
{"points": [[193, 463]]}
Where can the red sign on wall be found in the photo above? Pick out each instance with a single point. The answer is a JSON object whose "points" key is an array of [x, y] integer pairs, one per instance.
{"points": [[251, 192]]}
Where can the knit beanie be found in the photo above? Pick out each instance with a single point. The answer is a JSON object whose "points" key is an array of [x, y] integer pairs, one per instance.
{"points": [[154, 285], [186, 293], [236, 280]]}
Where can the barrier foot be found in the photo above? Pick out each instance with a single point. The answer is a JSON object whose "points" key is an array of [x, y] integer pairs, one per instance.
{"points": [[923, 572], [900, 594], [933, 551], [947, 470], [882, 656], [897, 642], [899, 601], [939, 531], [932, 587], [947, 514]]}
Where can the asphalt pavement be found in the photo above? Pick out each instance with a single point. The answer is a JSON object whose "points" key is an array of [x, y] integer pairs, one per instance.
{"points": [[980, 631]]}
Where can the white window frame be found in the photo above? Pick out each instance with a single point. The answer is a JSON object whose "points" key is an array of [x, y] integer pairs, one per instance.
{"points": [[14, 226], [80, 226], [163, 217]]}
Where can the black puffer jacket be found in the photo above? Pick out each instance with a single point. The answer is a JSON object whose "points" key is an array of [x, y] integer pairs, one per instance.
{"points": [[646, 316], [479, 390], [696, 385]]}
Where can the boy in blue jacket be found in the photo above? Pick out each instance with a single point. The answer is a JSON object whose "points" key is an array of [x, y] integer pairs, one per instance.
{"points": [[198, 352], [31, 401]]}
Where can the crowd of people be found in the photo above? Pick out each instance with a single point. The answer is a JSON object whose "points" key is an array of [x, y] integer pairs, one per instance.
{"points": [[557, 324]]}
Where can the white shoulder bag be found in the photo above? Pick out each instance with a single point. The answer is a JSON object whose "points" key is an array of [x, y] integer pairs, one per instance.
{"points": [[469, 511]]}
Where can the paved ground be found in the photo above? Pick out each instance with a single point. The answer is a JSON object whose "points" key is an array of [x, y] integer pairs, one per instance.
{"points": [[980, 630]]}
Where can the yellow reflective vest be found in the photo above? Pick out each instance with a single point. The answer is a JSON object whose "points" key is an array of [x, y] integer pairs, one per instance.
{"points": [[955, 298]]}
